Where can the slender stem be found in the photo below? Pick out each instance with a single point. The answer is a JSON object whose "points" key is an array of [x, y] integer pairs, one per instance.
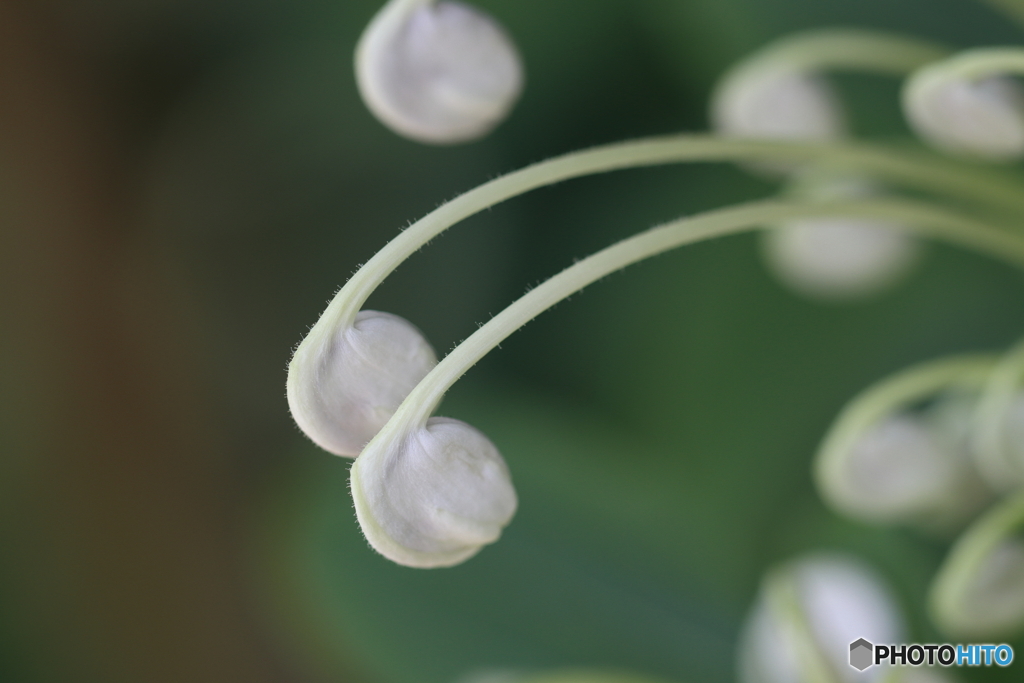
{"points": [[981, 63], [847, 50], [920, 217], [920, 171]]}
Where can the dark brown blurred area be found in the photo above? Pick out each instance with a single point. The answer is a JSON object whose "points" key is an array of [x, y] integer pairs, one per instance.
{"points": [[118, 523]]}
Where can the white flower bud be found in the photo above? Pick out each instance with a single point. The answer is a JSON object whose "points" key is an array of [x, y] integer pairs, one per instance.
{"points": [[776, 102], [912, 469], [805, 617], [433, 497], [343, 389], [833, 259], [437, 73], [982, 118]]}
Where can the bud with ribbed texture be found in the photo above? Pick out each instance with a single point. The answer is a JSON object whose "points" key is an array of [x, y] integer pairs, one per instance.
{"points": [[805, 617], [345, 385], [437, 72], [432, 496]]}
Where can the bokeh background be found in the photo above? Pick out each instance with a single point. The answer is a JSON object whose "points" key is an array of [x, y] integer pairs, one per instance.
{"points": [[183, 186]]}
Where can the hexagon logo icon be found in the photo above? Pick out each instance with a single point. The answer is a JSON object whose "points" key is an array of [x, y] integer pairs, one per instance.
{"points": [[860, 654]]}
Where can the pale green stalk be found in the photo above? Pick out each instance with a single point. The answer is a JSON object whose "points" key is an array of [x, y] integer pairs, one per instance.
{"points": [[920, 217], [981, 63], [847, 50], [923, 172]]}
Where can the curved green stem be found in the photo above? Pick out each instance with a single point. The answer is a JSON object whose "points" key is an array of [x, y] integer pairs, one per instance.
{"points": [[846, 50], [920, 171], [916, 216], [981, 63]]}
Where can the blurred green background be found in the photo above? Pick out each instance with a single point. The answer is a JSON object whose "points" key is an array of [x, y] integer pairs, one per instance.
{"points": [[183, 186]]}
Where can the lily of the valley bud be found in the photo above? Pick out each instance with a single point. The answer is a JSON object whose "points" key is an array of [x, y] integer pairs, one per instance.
{"points": [[835, 259], [974, 117], [432, 497], [979, 591], [805, 617], [885, 461], [437, 72], [343, 388], [911, 468], [776, 102]]}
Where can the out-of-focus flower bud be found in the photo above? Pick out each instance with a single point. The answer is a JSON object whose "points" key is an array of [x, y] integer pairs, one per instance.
{"points": [[961, 105], [979, 591], [776, 102], [342, 388], [807, 614], [834, 259], [884, 462], [912, 469], [437, 72], [432, 497]]}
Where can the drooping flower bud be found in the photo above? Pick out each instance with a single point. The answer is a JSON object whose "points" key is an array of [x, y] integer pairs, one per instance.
{"points": [[834, 259], [979, 591], [342, 389], [911, 468], [439, 72], [776, 102], [981, 117], [433, 497], [807, 614]]}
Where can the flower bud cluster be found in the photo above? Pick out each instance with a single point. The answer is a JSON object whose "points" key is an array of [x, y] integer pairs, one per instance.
{"points": [[885, 462], [428, 495]]}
